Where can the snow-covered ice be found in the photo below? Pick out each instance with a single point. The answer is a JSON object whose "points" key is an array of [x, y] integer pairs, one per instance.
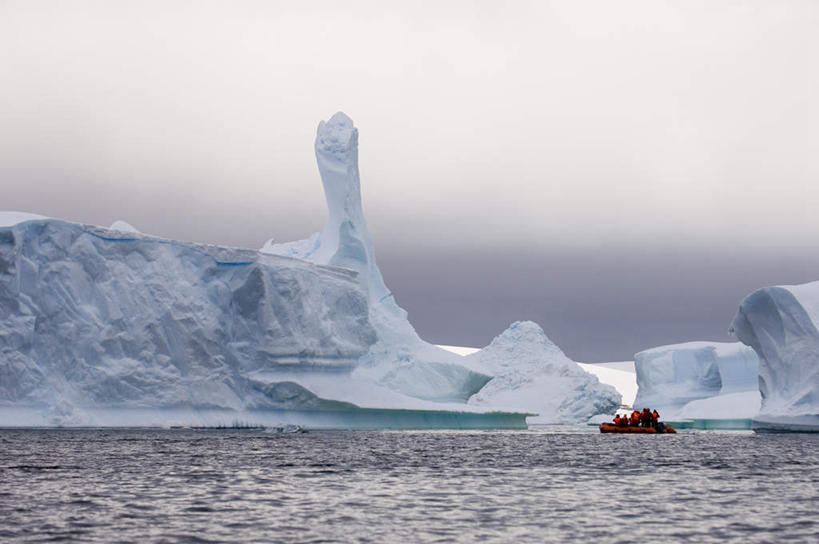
{"points": [[93, 317], [740, 405], [123, 226], [780, 324], [620, 375], [399, 360], [624, 381], [678, 379], [110, 326], [9, 219], [530, 373]]}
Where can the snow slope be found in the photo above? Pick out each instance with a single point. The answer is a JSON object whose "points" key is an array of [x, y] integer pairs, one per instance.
{"points": [[780, 324], [613, 374], [531, 374]]}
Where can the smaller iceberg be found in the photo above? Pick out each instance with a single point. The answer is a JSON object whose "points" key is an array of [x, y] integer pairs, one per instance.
{"points": [[698, 380], [531, 374], [780, 324]]}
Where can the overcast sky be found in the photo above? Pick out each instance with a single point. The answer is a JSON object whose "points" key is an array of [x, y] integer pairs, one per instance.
{"points": [[621, 172]]}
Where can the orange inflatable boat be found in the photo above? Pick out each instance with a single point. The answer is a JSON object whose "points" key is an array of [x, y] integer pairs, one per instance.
{"points": [[612, 428]]}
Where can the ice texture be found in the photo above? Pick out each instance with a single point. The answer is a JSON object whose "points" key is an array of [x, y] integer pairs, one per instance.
{"points": [[780, 324], [113, 327], [671, 377], [10, 218], [98, 318], [399, 360], [122, 226], [531, 374]]}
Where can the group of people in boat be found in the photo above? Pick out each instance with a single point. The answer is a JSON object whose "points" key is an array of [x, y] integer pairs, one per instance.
{"points": [[646, 418]]}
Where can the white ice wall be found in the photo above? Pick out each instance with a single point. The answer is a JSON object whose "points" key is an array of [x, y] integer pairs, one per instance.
{"points": [[779, 323]]}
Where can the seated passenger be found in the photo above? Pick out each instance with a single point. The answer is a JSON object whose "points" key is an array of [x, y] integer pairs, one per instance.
{"points": [[617, 420]]}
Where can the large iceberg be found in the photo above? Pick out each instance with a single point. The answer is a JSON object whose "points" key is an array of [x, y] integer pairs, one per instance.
{"points": [[113, 327], [677, 379], [99, 318], [780, 324], [399, 360]]}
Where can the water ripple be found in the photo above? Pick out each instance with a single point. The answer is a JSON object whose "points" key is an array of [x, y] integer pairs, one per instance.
{"points": [[532, 486]]}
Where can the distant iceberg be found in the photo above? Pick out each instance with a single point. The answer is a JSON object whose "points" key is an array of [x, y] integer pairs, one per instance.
{"points": [[530, 373], [703, 380], [780, 324]]}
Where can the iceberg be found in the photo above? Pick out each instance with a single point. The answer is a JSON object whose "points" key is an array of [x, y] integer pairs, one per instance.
{"points": [[93, 317], [108, 326], [399, 360], [678, 379], [530, 373], [780, 324]]}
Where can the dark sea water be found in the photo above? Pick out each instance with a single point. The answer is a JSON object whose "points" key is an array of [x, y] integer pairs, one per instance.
{"points": [[531, 486]]}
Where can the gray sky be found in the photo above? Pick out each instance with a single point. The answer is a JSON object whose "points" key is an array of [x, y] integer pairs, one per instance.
{"points": [[622, 172]]}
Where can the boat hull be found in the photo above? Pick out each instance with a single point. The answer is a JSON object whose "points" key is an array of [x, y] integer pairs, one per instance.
{"points": [[612, 428]]}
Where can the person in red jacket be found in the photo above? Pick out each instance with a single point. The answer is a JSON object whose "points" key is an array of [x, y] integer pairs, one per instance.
{"points": [[655, 417], [645, 418], [635, 419], [617, 420]]}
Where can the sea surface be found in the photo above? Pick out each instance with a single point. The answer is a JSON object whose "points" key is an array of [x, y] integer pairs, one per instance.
{"points": [[542, 485]]}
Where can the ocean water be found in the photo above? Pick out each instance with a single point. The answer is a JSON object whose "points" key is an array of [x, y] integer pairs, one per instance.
{"points": [[545, 485]]}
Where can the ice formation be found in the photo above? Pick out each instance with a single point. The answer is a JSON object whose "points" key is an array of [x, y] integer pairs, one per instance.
{"points": [[122, 226], [93, 317], [399, 360], [780, 324], [112, 327], [672, 377], [530, 373], [9, 219]]}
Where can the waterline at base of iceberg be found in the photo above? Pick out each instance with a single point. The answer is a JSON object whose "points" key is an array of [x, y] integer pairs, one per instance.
{"points": [[352, 418], [786, 424]]}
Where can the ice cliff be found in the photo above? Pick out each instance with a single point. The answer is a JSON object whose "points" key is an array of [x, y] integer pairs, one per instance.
{"points": [[93, 317], [675, 379], [780, 324]]}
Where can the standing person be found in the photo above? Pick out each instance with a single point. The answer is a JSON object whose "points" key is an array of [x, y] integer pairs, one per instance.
{"points": [[655, 417], [635, 419], [645, 418]]}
